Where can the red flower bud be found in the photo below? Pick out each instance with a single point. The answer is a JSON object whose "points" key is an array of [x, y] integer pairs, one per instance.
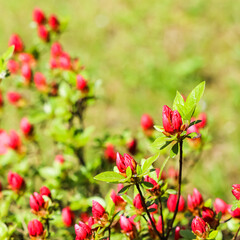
{"points": [[16, 41], [153, 182], [137, 202], [36, 202], [1, 100], [84, 217], [26, 127], [146, 122], [177, 233], [53, 22], [220, 206], [27, 58], [172, 202], [200, 227], [60, 159], [67, 217], [235, 213], [91, 221], [116, 199], [26, 73], [125, 161], [194, 201], [40, 81], [53, 63], [4, 140], [126, 224], [56, 49], [81, 83], [38, 16], [82, 231], [65, 61], [97, 210], [209, 216], [43, 33], [236, 191], [15, 181], [44, 191], [14, 141], [14, 97], [159, 225], [172, 120], [13, 66], [132, 146], [35, 228], [203, 118], [173, 173], [110, 153]]}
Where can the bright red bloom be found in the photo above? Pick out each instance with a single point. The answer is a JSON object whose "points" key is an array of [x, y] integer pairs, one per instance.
{"points": [[200, 227], [26, 126], [137, 202], [53, 22], [110, 153], [14, 141], [15, 181], [14, 97], [172, 202], [35, 228], [56, 49], [195, 200], [236, 191], [126, 224], [17, 42], [125, 161], [220, 206], [44, 191], [81, 83], [172, 120], [36, 202], [13, 66], [67, 217], [60, 159], [40, 81], [82, 231], [26, 72], [38, 16], [97, 210], [146, 122], [43, 33]]}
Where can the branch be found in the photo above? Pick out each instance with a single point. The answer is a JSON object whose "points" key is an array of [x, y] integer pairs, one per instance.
{"points": [[235, 236], [146, 210], [179, 188]]}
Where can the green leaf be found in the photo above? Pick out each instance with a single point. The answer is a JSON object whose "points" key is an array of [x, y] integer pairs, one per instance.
{"points": [[3, 230], [174, 150], [178, 101], [159, 142], [124, 190], [8, 54], [187, 234], [148, 162], [162, 167], [159, 128], [171, 191], [109, 176], [194, 122], [213, 234], [147, 185]]}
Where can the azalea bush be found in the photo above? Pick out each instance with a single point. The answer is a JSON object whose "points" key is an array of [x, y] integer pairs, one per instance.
{"points": [[62, 180]]}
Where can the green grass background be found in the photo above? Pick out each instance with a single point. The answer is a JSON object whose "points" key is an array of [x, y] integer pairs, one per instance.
{"points": [[143, 51]]}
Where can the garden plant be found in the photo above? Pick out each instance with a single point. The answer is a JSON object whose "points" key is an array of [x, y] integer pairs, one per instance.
{"points": [[59, 182]]}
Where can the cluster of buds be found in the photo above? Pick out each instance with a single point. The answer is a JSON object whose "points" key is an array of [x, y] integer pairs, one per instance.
{"points": [[200, 228], [62, 60], [38, 203], [45, 27], [125, 161], [195, 201], [172, 121]]}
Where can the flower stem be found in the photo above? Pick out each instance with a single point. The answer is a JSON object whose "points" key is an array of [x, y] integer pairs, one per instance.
{"points": [[179, 188], [236, 234], [149, 216]]}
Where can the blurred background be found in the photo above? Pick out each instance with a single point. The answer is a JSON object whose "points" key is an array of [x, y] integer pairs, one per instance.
{"points": [[143, 51]]}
